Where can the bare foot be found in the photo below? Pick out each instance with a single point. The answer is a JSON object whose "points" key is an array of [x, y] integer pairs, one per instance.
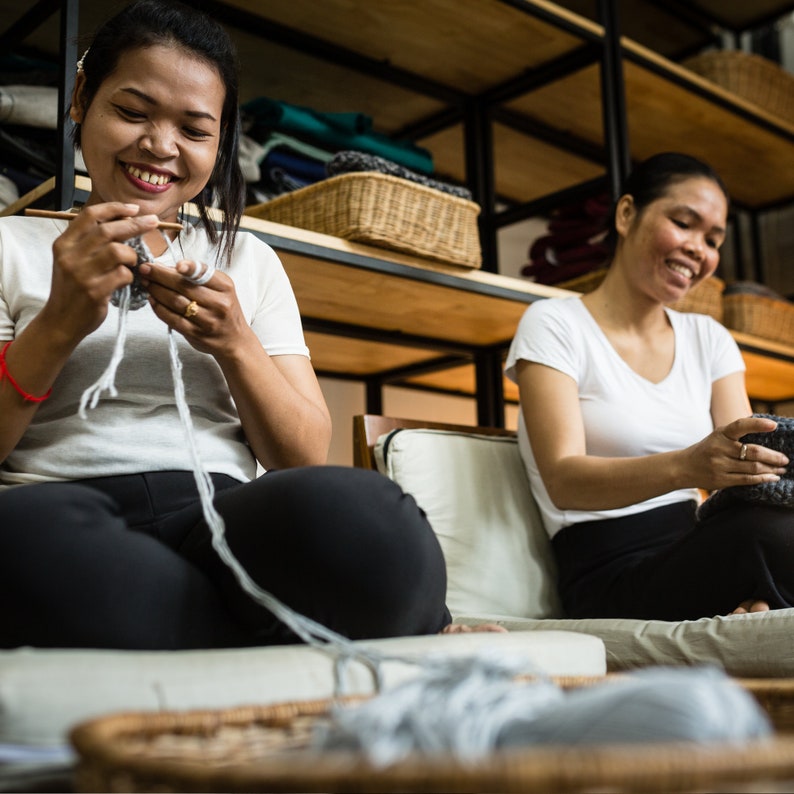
{"points": [[750, 606], [460, 628]]}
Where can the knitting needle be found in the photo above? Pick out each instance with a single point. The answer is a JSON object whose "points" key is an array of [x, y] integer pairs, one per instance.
{"points": [[70, 216]]}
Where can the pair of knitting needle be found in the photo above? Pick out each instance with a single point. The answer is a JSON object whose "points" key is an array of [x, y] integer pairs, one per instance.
{"points": [[201, 273], [70, 216]]}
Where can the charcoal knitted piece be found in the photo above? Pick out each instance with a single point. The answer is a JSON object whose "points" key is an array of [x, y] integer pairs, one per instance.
{"points": [[138, 295], [774, 493], [351, 161]]}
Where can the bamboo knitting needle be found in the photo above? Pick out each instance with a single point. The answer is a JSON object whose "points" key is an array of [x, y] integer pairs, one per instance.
{"points": [[70, 216]]}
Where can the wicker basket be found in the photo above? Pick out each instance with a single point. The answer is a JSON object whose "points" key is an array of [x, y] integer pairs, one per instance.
{"points": [[704, 298], [760, 316], [265, 749], [386, 211], [750, 76]]}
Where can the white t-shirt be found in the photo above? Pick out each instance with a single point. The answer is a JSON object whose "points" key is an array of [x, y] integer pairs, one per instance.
{"points": [[139, 429], [624, 414]]}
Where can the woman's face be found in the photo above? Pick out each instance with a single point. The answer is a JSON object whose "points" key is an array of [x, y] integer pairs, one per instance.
{"points": [[150, 136], [674, 242]]}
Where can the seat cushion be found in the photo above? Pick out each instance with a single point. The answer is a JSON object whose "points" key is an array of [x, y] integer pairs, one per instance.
{"points": [[44, 692], [476, 495]]}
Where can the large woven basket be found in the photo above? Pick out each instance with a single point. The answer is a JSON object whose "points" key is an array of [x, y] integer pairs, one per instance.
{"points": [[750, 76], [703, 298], [386, 211], [266, 749], [761, 316]]}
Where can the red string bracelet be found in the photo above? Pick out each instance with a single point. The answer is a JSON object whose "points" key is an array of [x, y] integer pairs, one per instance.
{"points": [[4, 372]]}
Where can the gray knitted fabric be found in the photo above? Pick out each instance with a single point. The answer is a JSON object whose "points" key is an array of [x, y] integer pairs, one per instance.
{"points": [[138, 295], [346, 162], [775, 493]]}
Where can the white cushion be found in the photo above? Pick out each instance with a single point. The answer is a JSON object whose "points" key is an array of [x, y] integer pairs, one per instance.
{"points": [[44, 692], [476, 495], [755, 645]]}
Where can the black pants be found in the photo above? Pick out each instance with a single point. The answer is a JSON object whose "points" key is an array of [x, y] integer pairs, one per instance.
{"points": [[662, 564], [126, 562]]}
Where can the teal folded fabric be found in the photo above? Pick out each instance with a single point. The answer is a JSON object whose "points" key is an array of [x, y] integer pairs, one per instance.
{"points": [[336, 131]]}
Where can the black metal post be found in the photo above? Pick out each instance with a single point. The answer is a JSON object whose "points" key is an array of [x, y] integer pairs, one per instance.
{"points": [[758, 250], [478, 146], [490, 387], [64, 177], [613, 99], [374, 396]]}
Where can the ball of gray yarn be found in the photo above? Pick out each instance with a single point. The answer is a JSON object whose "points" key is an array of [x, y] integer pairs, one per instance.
{"points": [[779, 493]]}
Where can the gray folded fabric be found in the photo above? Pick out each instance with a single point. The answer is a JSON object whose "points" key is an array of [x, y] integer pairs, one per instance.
{"points": [[776, 493], [351, 161], [29, 105]]}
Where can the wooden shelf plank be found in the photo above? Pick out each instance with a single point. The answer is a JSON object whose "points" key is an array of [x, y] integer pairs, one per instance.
{"points": [[663, 115], [357, 357], [460, 379], [436, 38]]}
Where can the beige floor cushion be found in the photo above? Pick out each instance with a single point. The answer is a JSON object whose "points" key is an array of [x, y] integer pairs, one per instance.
{"points": [[44, 692]]}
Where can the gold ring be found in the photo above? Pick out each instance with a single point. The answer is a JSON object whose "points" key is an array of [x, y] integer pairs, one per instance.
{"points": [[191, 310], [743, 453]]}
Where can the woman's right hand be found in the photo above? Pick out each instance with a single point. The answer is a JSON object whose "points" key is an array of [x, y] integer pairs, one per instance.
{"points": [[91, 261], [716, 461]]}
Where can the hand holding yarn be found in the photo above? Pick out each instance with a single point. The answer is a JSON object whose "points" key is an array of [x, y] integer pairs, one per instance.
{"points": [[199, 302], [723, 460], [91, 261]]}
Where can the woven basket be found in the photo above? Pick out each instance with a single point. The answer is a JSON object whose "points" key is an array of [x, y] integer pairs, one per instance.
{"points": [[750, 76], [760, 316], [265, 749], [703, 298], [386, 211]]}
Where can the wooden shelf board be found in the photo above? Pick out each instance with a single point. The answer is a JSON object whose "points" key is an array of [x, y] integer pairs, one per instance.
{"points": [[302, 79], [435, 38], [459, 310], [663, 115], [741, 14], [460, 379], [770, 368], [524, 168], [357, 357]]}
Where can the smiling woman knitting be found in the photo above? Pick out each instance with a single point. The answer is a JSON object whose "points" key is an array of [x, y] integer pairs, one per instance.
{"points": [[629, 408], [104, 541]]}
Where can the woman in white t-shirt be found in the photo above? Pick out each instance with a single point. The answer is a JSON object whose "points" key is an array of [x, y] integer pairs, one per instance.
{"points": [[104, 539], [629, 409]]}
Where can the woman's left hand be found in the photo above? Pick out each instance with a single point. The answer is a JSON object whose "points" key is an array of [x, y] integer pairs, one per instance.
{"points": [[209, 315]]}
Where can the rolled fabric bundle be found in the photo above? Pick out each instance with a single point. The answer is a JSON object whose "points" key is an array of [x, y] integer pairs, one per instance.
{"points": [[29, 106]]}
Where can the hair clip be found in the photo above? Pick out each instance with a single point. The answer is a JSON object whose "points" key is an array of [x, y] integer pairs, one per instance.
{"points": [[81, 62]]}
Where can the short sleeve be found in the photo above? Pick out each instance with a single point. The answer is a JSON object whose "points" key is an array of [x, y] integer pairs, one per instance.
{"points": [[266, 294], [726, 357], [547, 334]]}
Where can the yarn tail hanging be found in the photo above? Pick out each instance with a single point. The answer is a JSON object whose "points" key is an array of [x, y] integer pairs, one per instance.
{"points": [[107, 380]]}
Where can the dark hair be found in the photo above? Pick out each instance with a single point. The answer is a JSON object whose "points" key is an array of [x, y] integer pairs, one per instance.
{"points": [[145, 23], [651, 179]]}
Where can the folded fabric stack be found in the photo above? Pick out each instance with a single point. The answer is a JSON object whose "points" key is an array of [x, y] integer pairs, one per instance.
{"points": [[354, 162], [286, 147], [28, 125], [574, 244]]}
